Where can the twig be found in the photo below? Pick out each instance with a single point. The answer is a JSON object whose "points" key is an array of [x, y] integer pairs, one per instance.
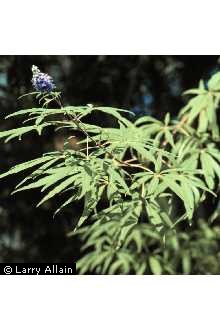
{"points": [[78, 122]]}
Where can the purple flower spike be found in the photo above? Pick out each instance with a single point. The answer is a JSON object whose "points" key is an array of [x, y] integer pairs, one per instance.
{"points": [[42, 82]]}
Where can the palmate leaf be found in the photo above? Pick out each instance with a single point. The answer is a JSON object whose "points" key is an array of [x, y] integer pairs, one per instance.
{"points": [[113, 193], [48, 180], [117, 179], [83, 265], [182, 191], [18, 132], [129, 220], [143, 152], [125, 138], [115, 112], [39, 171], [40, 115], [124, 214], [58, 189], [122, 264], [43, 112], [195, 105], [158, 217], [27, 165], [75, 179], [179, 181], [153, 214], [29, 112], [190, 162], [157, 129], [99, 258], [112, 212], [140, 179], [203, 107], [185, 146], [116, 261]]}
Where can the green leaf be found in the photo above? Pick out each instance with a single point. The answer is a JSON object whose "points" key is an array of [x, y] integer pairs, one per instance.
{"points": [[155, 266], [191, 162], [116, 113], [67, 202], [169, 138], [154, 215], [207, 169], [26, 165], [146, 119], [153, 184], [214, 82], [158, 163], [117, 265], [186, 263], [116, 177], [147, 155], [203, 122], [167, 119], [132, 215], [46, 181], [32, 111], [180, 192], [195, 91], [91, 200], [63, 185], [215, 166], [18, 132]]}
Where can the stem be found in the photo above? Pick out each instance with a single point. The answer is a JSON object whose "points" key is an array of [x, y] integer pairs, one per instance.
{"points": [[175, 129], [78, 122], [87, 147], [182, 121]]}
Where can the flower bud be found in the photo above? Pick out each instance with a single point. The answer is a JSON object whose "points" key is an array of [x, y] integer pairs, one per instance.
{"points": [[42, 82]]}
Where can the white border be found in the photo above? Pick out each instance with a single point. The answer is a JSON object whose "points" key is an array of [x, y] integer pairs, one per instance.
{"points": [[110, 302], [110, 27]]}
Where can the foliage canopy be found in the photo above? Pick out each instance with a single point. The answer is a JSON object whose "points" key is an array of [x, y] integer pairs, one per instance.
{"points": [[139, 181]]}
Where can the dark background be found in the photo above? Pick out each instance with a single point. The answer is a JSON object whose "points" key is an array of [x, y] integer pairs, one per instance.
{"points": [[143, 84]]}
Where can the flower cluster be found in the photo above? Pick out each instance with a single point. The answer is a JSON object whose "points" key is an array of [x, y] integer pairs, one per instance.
{"points": [[42, 82]]}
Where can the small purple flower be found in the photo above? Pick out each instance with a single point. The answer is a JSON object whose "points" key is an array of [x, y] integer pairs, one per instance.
{"points": [[42, 82]]}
